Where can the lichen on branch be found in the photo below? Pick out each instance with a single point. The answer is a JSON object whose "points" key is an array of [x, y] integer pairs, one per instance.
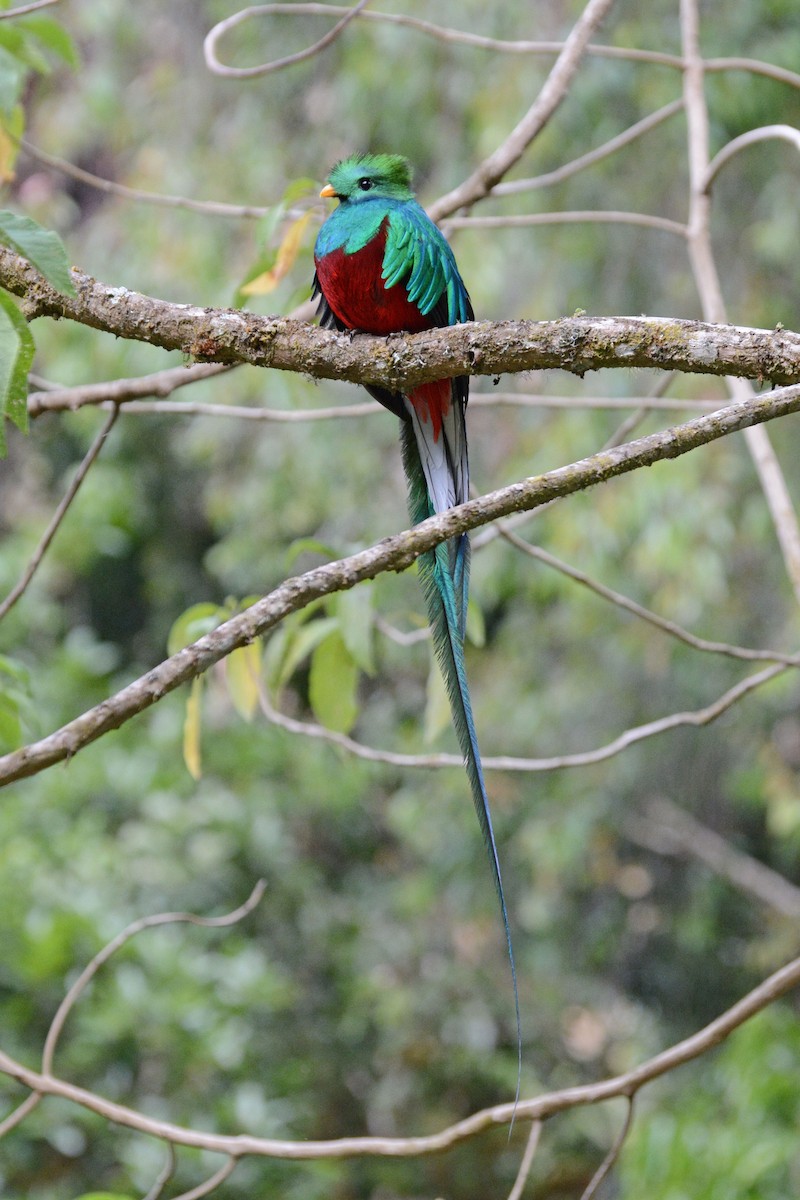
{"points": [[576, 344]]}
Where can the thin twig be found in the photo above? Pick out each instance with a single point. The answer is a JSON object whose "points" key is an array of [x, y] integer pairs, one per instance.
{"points": [[580, 217], [22, 9], [515, 186], [667, 829], [523, 46], [164, 1175], [58, 516], [120, 391], [524, 1171], [695, 718], [401, 637], [462, 37], [285, 416], [540, 1108], [222, 27], [754, 67], [18, 1115], [613, 1154], [767, 133], [212, 208], [90, 970], [742, 653], [553, 91], [707, 281], [370, 408], [212, 1183]]}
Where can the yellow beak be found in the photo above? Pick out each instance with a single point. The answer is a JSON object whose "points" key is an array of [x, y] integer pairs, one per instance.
{"points": [[327, 192]]}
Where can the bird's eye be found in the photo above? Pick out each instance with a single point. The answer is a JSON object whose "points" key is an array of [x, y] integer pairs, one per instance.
{"points": [[365, 184]]}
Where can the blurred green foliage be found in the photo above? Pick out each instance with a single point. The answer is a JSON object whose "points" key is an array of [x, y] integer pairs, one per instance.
{"points": [[369, 991]]}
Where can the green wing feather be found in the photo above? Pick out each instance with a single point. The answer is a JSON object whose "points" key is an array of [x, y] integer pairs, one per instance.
{"points": [[417, 252]]}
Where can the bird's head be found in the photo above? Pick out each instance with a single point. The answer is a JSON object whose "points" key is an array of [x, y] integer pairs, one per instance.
{"points": [[367, 176]]}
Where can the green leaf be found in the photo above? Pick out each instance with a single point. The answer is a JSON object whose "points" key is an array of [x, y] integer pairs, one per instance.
{"points": [[42, 247], [12, 127], [437, 705], [476, 626], [193, 624], [12, 77], [309, 546], [300, 643], [242, 670], [332, 685], [14, 41], [265, 281], [191, 729], [299, 188], [53, 37], [10, 723], [16, 356], [104, 1196], [356, 625]]}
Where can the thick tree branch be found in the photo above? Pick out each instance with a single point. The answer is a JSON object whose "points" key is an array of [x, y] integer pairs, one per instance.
{"points": [[576, 344], [394, 553]]}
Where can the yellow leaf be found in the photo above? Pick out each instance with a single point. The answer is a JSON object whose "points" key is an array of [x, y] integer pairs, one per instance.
{"points": [[287, 253], [191, 731], [11, 126], [242, 669]]}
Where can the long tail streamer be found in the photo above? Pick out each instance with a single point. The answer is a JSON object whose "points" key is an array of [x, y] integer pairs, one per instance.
{"points": [[444, 573]]}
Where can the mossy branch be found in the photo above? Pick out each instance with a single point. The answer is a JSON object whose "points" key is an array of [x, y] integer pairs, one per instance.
{"points": [[576, 344]]}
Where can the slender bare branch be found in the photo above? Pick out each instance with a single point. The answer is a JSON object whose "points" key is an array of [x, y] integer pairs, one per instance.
{"points": [[368, 408], [58, 516], [554, 89], [90, 970], [212, 1183], [280, 416], [211, 208], [22, 9], [531, 1147], [707, 281], [639, 129], [526, 47], [581, 217], [222, 27], [540, 1108], [744, 653], [475, 40], [18, 1115], [767, 133], [695, 718], [754, 67], [164, 1175], [606, 1165], [478, 41], [120, 391], [667, 829]]}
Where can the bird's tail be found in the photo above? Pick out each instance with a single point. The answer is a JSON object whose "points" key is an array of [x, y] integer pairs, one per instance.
{"points": [[444, 573]]}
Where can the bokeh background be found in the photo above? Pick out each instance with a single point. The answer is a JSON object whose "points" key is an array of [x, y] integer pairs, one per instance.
{"points": [[369, 992]]}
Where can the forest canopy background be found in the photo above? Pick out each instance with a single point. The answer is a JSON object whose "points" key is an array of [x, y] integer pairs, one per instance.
{"points": [[650, 888]]}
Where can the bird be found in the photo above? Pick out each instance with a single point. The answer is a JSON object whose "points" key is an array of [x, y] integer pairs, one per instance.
{"points": [[383, 267]]}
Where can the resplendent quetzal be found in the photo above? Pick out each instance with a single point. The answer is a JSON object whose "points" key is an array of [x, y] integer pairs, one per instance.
{"points": [[382, 267]]}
